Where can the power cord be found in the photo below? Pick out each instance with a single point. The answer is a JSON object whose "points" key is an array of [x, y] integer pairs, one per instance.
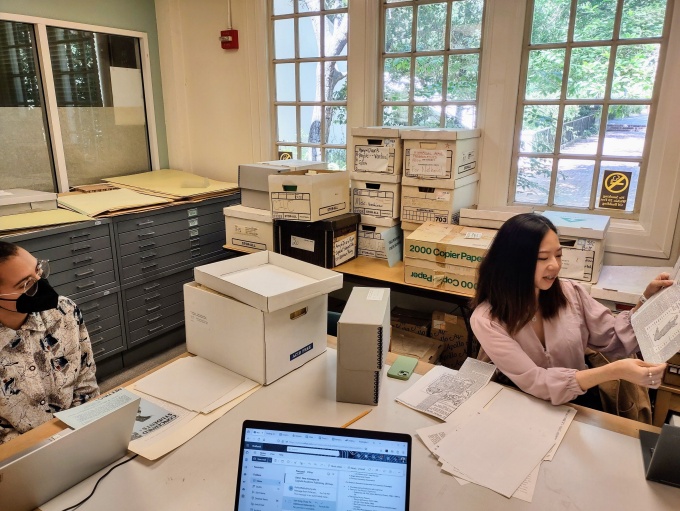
{"points": [[99, 481]]}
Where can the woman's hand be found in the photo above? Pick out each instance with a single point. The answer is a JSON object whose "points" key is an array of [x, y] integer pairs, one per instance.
{"points": [[639, 372], [661, 281]]}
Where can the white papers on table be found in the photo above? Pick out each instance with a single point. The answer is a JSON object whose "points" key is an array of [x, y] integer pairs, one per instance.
{"points": [[657, 325], [442, 390], [79, 416]]}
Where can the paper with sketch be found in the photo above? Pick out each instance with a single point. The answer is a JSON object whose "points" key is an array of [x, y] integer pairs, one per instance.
{"points": [[657, 325], [442, 390], [194, 383], [79, 416]]}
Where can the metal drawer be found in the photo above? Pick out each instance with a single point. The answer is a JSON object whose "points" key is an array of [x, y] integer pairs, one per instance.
{"points": [[108, 348], [156, 316], [97, 304], [184, 245], [167, 239], [78, 261], [102, 325], [65, 238], [74, 250], [86, 272], [172, 216], [153, 330], [93, 318], [156, 231], [88, 284], [153, 297], [106, 335], [160, 301], [141, 291], [139, 270]]}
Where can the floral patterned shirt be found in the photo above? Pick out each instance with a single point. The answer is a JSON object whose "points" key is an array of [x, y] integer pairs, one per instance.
{"points": [[45, 366]]}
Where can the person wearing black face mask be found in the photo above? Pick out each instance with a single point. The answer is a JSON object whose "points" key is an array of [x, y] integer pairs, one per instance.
{"points": [[46, 361]]}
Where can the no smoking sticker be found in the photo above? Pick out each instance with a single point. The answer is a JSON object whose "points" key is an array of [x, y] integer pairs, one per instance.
{"points": [[615, 188]]}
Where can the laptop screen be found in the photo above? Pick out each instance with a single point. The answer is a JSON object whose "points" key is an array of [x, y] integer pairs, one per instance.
{"points": [[287, 466]]}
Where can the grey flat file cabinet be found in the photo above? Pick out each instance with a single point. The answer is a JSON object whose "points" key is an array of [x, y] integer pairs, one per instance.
{"points": [[126, 273]]}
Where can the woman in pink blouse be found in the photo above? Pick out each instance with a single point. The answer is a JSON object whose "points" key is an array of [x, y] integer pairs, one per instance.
{"points": [[535, 327]]}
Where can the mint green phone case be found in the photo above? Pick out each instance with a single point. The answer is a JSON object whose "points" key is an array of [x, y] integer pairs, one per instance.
{"points": [[402, 368]]}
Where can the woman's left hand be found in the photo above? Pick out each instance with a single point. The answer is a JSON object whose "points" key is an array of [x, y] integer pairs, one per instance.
{"points": [[661, 281]]}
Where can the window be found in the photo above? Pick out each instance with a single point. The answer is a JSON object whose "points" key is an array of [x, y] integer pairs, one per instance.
{"points": [[430, 63], [590, 84], [310, 79]]}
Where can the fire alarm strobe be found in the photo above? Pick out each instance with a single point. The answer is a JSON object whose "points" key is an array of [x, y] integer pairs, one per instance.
{"points": [[229, 39]]}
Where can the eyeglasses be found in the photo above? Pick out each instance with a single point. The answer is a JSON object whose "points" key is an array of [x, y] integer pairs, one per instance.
{"points": [[42, 271]]}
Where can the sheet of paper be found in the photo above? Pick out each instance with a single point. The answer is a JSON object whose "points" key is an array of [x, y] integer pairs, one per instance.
{"points": [[442, 390], [40, 219], [172, 182], [192, 383], [148, 431], [526, 490], [657, 325], [493, 453], [475, 404], [95, 203], [79, 416]]}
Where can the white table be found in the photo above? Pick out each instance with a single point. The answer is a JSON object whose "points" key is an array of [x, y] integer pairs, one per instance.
{"points": [[594, 468]]}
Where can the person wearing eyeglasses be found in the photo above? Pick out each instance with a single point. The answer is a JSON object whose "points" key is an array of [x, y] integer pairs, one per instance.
{"points": [[46, 361]]}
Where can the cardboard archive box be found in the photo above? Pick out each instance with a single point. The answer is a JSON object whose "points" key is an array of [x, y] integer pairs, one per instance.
{"points": [[417, 346], [261, 316], [18, 200], [437, 157], [451, 331], [410, 321], [429, 204], [249, 229], [583, 242], [376, 199], [308, 196], [363, 342], [254, 183], [376, 240], [377, 153], [326, 243], [492, 218]]}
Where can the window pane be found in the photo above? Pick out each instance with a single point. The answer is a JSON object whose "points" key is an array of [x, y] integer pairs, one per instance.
{"points": [[588, 73], [431, 27], [544, 77], [312, 153], [533, 180], [462, 77], [285, 82], [310, 81], [288, 149], [395, 116], [642, 18], [335, 41], [336, 4], [100, 100], [626, 130], [337, 70], [551, 21], [538, 128], [461, 116], [398, 25], [466, 24], [337, 158], [397, 79], [307, 5], [633, 168], [574, 182], [336, 121], [26, 160], [429, 78], [581, 129], [594, 20], [309, 36], [634, 71], [427, 116], [283, 7], [284, 39], [287, 129]]}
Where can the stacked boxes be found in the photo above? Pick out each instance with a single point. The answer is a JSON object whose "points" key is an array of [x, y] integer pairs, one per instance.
{"points": [[492, 218]]}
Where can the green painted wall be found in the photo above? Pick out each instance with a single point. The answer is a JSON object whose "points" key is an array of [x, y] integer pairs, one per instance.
{"points": [[139, 15]]}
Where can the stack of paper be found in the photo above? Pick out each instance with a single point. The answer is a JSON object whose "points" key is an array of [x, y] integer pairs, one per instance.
{"points": [[174, 185], [26, 221], [110, 202]]}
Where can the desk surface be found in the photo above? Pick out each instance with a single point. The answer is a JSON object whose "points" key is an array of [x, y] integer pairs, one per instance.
{"points": [[595, 468]]}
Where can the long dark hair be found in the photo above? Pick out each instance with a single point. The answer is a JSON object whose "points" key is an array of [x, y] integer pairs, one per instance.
{"points": [[506, 274]]}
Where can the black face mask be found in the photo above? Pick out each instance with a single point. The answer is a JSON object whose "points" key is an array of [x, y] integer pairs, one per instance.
{"points": [[45, 298]]}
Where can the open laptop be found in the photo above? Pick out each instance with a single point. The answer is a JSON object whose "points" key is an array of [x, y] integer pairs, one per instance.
{"points": [[290, 466], [39, 474], [661, 455]]}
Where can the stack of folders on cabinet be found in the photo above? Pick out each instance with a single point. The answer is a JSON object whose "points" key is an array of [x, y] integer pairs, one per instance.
{"points": [[492, 436]]}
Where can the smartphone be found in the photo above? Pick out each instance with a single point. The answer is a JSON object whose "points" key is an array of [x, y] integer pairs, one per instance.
{"points": [[402, 368]]}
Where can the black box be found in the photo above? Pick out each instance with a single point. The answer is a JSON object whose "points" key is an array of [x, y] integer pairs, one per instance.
{"points": [[328, 243]]}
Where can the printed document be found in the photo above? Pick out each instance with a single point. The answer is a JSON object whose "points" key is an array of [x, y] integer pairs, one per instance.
{"points": [[79, 416], [657, 325]]}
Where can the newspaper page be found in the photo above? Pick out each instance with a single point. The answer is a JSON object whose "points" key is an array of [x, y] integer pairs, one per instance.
{"points": [[657, 325]]}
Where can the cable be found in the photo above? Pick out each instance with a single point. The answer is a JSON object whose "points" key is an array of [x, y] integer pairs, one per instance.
{"points": [[229, 22], [99, 481]]}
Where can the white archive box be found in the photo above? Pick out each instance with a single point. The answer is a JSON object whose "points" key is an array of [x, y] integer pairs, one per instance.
{"points": [[377, 152], [249, 229], [439, 156], [309, 195], [376, 199], [583, 242], [624, 284], [492, 218], [376, 240], [363, 342], [18, 200], [424, 204]]}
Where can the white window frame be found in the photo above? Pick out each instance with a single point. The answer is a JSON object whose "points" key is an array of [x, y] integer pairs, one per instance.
{"points": [[45, 64]]}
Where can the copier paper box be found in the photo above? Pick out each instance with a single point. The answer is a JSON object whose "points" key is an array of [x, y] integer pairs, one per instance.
{"points": [[249, 229], [449, 244], [363, 342], [309, 195]]}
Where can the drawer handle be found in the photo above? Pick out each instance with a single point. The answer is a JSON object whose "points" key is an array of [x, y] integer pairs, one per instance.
{"points": [[76, 262], [98, 316], [195, 242], [142, 224], [99, 352], [83, 274], [195, 252], [153, 286], [152, 320], [149, 266], [96, 329], [148, 245], [148, 256], [89, 309], [83, 235], [151, 330], [154, 308], [89, 284], [84, 247], [144, 234], [97, 341], [149, 298]]}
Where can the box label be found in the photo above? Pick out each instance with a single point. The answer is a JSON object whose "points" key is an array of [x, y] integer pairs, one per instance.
{"points": [[248, 244], [430, 163], [301, 351], [373, 202], [577, 264], [452, 255], [247, 230], [302, 243], [332, 209], [344, 248], [291, 206], [375, 294], [371, 158]]}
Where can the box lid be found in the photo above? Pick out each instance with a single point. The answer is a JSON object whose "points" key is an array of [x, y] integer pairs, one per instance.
{"points": [[268, 281], [327, 224], [22, 196], [438, 133], [246, 213], [502, 213], [295, 164], [376, 131], [578, 224], [444, 234]]}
